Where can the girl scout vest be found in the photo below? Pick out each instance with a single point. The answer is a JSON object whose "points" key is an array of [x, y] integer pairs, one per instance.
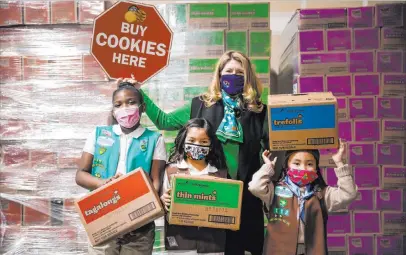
{"points": [[107, 152], [283, 218], [203, 240]]}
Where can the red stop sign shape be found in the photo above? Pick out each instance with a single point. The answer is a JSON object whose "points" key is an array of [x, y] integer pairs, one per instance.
{"points": [[131, 39]]}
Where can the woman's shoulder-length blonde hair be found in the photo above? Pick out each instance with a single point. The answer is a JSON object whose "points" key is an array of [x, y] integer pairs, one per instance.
{"points": [[252, 85]]}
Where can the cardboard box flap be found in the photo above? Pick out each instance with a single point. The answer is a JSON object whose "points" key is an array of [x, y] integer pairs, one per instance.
{"points": [[302, 99]]}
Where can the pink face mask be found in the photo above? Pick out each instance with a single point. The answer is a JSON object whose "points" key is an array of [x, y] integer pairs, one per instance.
{"points": [[127, 117]]}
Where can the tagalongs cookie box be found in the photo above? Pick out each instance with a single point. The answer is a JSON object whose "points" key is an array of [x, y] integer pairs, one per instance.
{"points": [[119, 207]]}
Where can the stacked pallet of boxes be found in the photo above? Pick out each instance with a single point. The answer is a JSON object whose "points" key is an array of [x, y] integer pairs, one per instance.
{"points": [[202, 33], [53, 94], [358, 54]]}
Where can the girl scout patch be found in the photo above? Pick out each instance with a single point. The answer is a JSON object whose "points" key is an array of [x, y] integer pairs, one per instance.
{"points": [[98, 163], [281, 211], [281, 191], [282, 203], [143, 145], [102, 150], [106, 133], [105, 141]]}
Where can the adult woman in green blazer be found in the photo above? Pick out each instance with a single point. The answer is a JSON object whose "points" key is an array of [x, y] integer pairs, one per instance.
{"points": [[233, 107]]}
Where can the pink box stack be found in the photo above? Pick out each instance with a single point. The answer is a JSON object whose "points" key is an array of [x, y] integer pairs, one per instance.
{"points": [[363, 62]]}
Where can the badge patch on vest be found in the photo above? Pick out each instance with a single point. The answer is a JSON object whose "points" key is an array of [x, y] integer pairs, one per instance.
{"points": [[280, 220], [281, 211], [106, 133], [172, 241], [143, 145], [282, 203], [281, 191], [105, 141], [102, 150], [98, 163]]}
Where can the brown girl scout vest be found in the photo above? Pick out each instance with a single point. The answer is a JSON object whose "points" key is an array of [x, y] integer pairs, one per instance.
{"points": [[283, 223], [204, 240]]}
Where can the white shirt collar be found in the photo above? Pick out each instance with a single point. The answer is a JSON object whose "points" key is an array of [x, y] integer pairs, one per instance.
{"points": [[193, 171], [135, 134]]}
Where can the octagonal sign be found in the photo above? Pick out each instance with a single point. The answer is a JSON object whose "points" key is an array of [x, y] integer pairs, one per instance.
{"points": [[131, 39]]}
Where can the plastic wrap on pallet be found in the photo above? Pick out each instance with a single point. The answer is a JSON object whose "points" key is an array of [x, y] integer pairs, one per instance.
{"points": [[53, 93]]}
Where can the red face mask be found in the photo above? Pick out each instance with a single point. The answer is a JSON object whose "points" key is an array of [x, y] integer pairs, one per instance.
{"points": [[301, 177]]}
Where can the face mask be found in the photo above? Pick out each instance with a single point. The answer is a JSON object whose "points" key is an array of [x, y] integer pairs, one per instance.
{"points": [[127, 117], [232, 84], [196, 152], [301, 177]]}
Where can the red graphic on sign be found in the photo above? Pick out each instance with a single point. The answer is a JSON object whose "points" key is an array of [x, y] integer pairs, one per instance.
{"points": [[131, 38]]}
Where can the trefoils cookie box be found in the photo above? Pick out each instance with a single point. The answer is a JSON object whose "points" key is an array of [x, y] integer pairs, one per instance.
{"points": [[303, 121], [119, 207], [206, 202]]}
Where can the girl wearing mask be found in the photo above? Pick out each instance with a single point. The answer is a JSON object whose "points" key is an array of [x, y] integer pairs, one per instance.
{"points": [[298, 204], [197, 152], [112, 151], [234, 109]]}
